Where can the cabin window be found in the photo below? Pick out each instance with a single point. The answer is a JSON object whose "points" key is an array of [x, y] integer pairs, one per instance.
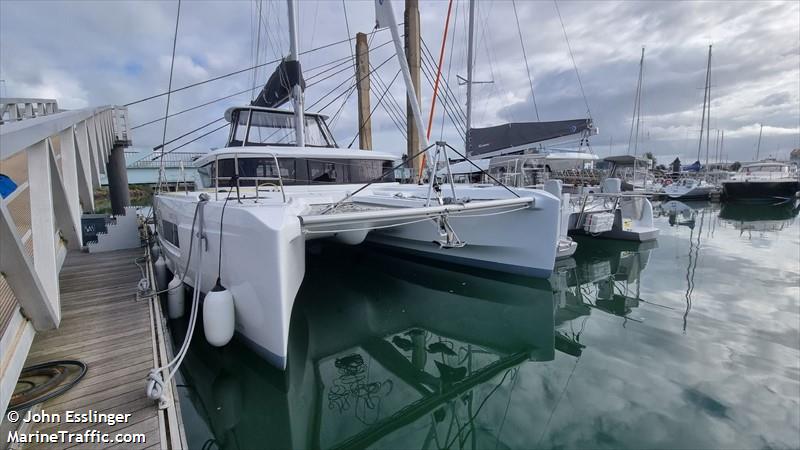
{"points": [[325, 172], [298, 171], [252, 170], [169, 231]]}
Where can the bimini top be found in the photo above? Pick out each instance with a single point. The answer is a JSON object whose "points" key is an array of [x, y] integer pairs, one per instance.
{"points": [[508, 135]]}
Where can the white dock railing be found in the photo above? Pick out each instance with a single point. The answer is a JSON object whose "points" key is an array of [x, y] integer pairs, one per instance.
{"points": [[55, 158], [13, 109]]}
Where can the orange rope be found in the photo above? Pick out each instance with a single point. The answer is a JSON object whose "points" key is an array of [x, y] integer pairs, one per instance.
{"points": [[436, 84]]}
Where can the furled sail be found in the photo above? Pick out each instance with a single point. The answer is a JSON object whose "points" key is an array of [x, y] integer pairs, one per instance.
{"points": [[492, 139], [278, 89]]}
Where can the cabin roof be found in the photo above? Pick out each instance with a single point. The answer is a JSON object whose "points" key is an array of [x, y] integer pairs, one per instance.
{"points": [[229, 111], [292, 152]]}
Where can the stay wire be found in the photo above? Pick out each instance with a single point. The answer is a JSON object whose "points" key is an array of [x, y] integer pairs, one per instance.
{"points": [[373, 109], [193, 108], [525, 56], [159, 147], [236, 72], [482, 171], [574, 64], [169, 89]]}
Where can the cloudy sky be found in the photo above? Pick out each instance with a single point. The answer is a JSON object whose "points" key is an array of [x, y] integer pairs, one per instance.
{"points": [[86, 53]]}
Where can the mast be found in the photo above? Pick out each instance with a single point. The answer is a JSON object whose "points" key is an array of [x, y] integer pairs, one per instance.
{"points": [[297, 90], [470, 50], [705, 101], [758, 147], [708, 116]]}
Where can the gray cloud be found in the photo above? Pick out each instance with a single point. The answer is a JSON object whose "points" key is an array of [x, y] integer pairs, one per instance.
{"points": [[91, 53]]}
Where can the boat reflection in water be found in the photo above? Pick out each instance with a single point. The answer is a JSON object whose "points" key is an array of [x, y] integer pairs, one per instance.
{"points": [[602, 277], [378, 345], [760, 216]]}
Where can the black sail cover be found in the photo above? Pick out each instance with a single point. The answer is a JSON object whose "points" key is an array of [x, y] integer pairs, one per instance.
{"points": [[278, 89], [492, 139]]}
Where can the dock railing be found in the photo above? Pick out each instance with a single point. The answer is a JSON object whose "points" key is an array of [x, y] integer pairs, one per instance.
{"points": [[55, 158]]}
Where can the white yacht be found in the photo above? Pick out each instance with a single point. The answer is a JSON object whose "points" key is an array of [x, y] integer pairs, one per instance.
{"points": [[264, 197], [597, 210], [766, 180], [688, 188]]}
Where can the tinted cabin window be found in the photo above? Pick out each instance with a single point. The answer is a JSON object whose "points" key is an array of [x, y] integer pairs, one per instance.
{"points": [[326, 172], [300, 171]]}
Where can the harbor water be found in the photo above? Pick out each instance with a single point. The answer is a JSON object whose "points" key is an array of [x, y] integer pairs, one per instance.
{"points": [[690, 342]]}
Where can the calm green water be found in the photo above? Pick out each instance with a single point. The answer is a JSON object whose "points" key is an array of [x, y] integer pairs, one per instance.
{"points": [[693, 342]]}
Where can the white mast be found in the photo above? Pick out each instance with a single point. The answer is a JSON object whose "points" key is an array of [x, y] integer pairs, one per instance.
{"points": [[297, 90], [470, 45]]}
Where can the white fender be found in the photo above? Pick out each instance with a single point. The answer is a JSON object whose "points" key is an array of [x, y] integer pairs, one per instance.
{"points": [[218, 316], [160, 268], [175, 298]]}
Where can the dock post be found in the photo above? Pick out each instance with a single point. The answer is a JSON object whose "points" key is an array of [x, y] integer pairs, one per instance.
{"points": [[117, 174], [412, 33], [362, 85]]}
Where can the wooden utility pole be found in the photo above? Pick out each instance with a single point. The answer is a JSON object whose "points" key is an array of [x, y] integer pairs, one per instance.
{"points": [[362, 84], [412, 39]]}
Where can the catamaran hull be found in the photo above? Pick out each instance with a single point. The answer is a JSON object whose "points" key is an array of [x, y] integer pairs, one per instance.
{"points": [[264, 246], [760, 189]]}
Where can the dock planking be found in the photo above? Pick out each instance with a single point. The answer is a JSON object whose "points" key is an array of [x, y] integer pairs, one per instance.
{"points": [[104, 326]]}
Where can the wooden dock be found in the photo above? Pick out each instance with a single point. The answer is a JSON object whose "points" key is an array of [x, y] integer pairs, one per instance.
{"points": [[119, 338]]}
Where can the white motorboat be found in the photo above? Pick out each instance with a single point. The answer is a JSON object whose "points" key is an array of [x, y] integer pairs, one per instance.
{"points": [[765, 180], [600, 211], [263, 200], [687, 188]]}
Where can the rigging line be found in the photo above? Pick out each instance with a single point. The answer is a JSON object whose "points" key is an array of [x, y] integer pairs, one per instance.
{"points": [[169, 88], [447, 85], [575, 65], [438, 72], [347, 27], [449, 67], [393, 108], [158, 147], [237, 72], [258, 42], [375, 108], [345, 61], [192, 108], [397, 118], [447, 101], [391, 100], [446, 107], [560, 397], [445, 95], [341, 84], [525, 56], [197, 138], [477, 411]]}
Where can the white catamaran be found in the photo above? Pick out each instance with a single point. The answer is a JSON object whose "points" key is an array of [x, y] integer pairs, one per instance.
{"points": [[280, 181]]}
